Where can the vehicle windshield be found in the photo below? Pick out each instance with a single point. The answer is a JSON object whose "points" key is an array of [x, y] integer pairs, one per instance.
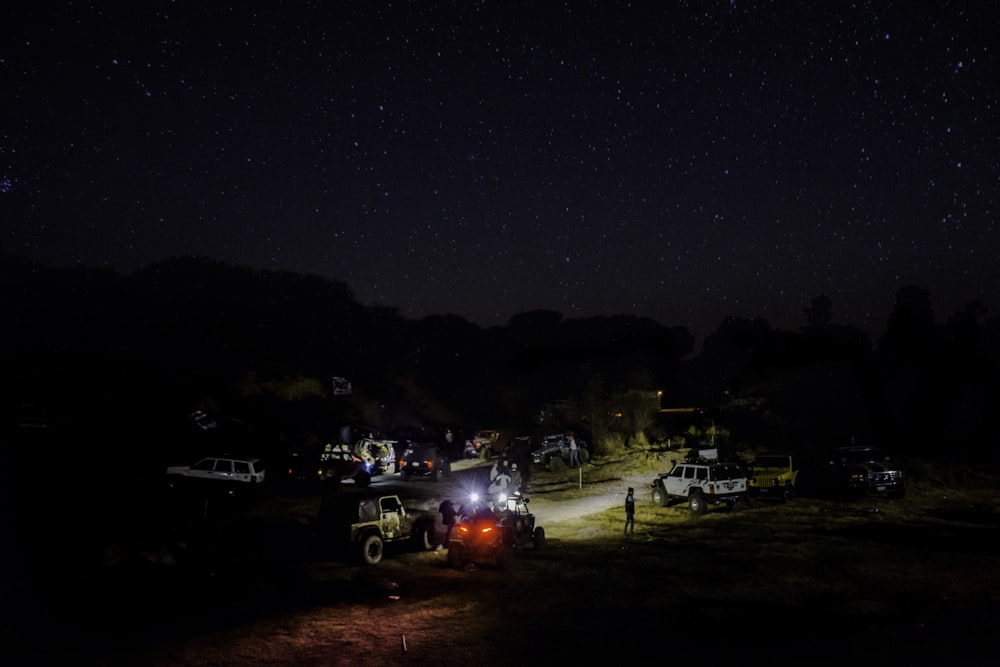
{"points": [[771, 461]]}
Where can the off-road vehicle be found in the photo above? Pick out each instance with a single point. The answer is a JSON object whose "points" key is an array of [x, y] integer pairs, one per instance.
{"points": [[338, 462], [702, 483], [483, 538], [424, 460], [489, 442], [773, 476], [861, 470], [378, 454], [514, 511], [553, 452], [363, 522], [226, 473]]}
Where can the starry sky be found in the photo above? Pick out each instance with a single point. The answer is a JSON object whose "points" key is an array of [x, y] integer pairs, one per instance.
{"points": [[679, 160]]}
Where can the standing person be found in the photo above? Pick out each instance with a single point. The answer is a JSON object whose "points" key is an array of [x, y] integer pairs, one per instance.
{"points": [[449, 516], [574, 452], [630, 512], [515, 478]]}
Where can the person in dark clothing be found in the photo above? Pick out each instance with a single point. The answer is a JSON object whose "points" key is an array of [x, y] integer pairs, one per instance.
{"points": [[449, 516], [630, 512]]}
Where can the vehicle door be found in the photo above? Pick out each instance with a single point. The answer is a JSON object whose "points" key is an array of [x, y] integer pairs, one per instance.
{"points": [[223, 470], [241, 471], [673, 483], [203, 469], [700, 476], [390, 512]]}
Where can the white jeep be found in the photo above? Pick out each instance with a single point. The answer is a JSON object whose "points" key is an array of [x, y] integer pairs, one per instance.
{"points": [[702, 482]]}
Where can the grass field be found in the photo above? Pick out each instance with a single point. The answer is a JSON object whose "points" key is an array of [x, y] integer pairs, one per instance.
{"points": [[812, 581]]}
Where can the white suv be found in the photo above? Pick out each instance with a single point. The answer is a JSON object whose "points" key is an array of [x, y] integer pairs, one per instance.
{"points": [[702, 482], [220, 468]]}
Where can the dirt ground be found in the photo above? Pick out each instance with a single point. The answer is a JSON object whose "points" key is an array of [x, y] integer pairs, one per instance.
{"points": [[816, 581]]}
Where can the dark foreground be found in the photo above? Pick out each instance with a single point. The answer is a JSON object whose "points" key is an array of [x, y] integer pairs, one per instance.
{"points": [[812, 581]]}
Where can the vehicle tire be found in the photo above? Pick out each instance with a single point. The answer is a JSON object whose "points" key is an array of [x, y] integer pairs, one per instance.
{"points": [[584, 455], [372, 549], [659, 497], [455, 555], [556, 464], [696, 501], [425, 537], [437, 474], [739, 505], [538, 537], [404, 475], [788, 493], [363, 479]]}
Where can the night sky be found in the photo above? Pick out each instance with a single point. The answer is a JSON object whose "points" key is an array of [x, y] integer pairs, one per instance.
{"points": [[683, 161]]}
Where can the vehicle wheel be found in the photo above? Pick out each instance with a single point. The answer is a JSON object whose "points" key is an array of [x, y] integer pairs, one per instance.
{"points": [[425, 538], [696, 501], [659, 497], [363, 479], [371, 549], [584, 455], [455, 555], [739, 505], [538, 537], [437, 474], [788, 493], [405, 476], [556, 464]]}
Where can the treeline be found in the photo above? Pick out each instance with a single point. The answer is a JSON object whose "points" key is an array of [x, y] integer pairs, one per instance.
{"points": [[127, 357]]}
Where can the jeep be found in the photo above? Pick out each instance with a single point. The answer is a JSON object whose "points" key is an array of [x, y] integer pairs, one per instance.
{"points": [[337, 463], [365, 521], [553, 452], [708, 482], [378, 454], [773, 476]]}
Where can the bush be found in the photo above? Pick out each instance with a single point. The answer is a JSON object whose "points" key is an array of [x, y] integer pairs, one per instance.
{"points": [[639, 441], [611, 444]]}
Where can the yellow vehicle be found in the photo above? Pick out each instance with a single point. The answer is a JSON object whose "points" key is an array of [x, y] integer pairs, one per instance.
{"points": [[773, 476]]}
